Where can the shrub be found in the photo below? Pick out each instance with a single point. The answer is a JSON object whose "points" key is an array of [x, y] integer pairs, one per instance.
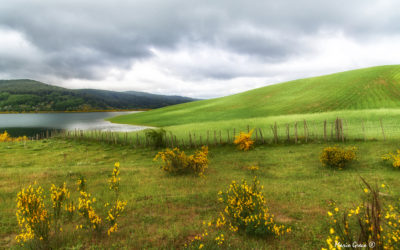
{"points": [[208, 239], [114, 179], [119, 206], [86, 210], [337, 157], [35, 221], [253, 169], [113, 214], [394, 159], [246, 210], [244, 141], [177, 162], [70, 210], [370, 221], [5, 137], [156, 137], [33, 218], [58, 196]]}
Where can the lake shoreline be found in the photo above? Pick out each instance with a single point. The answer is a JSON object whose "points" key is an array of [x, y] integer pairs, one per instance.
{"points": [[73, 111], [67, 121]]}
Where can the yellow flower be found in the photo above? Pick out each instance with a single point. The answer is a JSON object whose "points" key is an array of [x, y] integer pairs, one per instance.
{"points": [[201, 246], [366, 190]]}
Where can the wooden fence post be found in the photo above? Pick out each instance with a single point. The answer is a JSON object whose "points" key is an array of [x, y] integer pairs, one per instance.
{"points": [[363, 129], [256, 136], [341, 129], [337, 129], [383, 132], [325, 130], [288, 132], [305, 131], [275, 133], [295, 133], [262, 137]]}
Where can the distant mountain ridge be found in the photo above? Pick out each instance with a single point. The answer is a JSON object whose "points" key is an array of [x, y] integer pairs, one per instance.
{"points": [[24, 95]]}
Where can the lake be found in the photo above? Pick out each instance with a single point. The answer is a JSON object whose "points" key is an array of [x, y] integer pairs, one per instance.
{"points": [[15, 123]]}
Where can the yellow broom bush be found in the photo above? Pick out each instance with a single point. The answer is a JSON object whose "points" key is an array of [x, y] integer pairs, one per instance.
{"points": [[246, 210], [337, 157], [35, 222], [177, 162], [119, 206], [33, 218], [369, 225], [393, 158], [5, 137], [244, 141]]}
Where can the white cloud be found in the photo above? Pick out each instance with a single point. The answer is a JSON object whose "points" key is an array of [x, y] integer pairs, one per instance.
{"points": [[194, 48]]}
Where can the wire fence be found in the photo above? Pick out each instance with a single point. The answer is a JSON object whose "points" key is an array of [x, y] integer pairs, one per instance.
{"points": [[338, 131]]}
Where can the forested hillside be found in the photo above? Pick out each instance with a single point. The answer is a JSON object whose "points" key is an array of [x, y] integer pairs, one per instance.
{"points": [[28, 95]]}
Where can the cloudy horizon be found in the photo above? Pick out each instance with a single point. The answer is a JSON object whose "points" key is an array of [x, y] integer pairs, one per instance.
{"points": [[200, 49]]}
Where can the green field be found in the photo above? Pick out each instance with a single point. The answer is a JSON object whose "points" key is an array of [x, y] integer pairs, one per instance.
{"points": [[363, 89], [365, 99], [166, 211]]}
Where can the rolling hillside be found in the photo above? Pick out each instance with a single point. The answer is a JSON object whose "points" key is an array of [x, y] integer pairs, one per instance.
{"points": [[28, 95], [368, 88]]}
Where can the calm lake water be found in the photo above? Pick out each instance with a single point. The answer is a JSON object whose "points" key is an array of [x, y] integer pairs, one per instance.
{"points": [[68, 121]]}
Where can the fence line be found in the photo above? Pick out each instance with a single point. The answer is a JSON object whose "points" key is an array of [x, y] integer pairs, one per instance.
{"points": [[277, 134]]}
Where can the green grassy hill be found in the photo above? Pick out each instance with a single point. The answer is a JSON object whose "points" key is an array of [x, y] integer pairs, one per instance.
{"points": [[368, 88], [28, 95]]}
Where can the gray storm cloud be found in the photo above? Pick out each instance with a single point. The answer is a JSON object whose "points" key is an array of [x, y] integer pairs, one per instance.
{"points": [[85, 39]]}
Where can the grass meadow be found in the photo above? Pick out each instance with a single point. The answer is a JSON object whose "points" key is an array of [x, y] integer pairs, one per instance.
{"points": [[165, 212], [363, 89]]}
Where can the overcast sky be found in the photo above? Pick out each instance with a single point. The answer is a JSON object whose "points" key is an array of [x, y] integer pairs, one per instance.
{"points": [[196, 48]]}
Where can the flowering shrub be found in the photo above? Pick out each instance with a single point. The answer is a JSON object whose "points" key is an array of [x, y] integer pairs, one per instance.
{"points": [[33, 218], [115, 211], [5, 137], [244, 141], [70, 210], [113, 214], [35, 221], [81, 183], [58, 196], [366, 222], [86, 210], [209, 239], [253, 169], [394, 159], [177, 162], [114, 179], [337, 157], [246, 210]]}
